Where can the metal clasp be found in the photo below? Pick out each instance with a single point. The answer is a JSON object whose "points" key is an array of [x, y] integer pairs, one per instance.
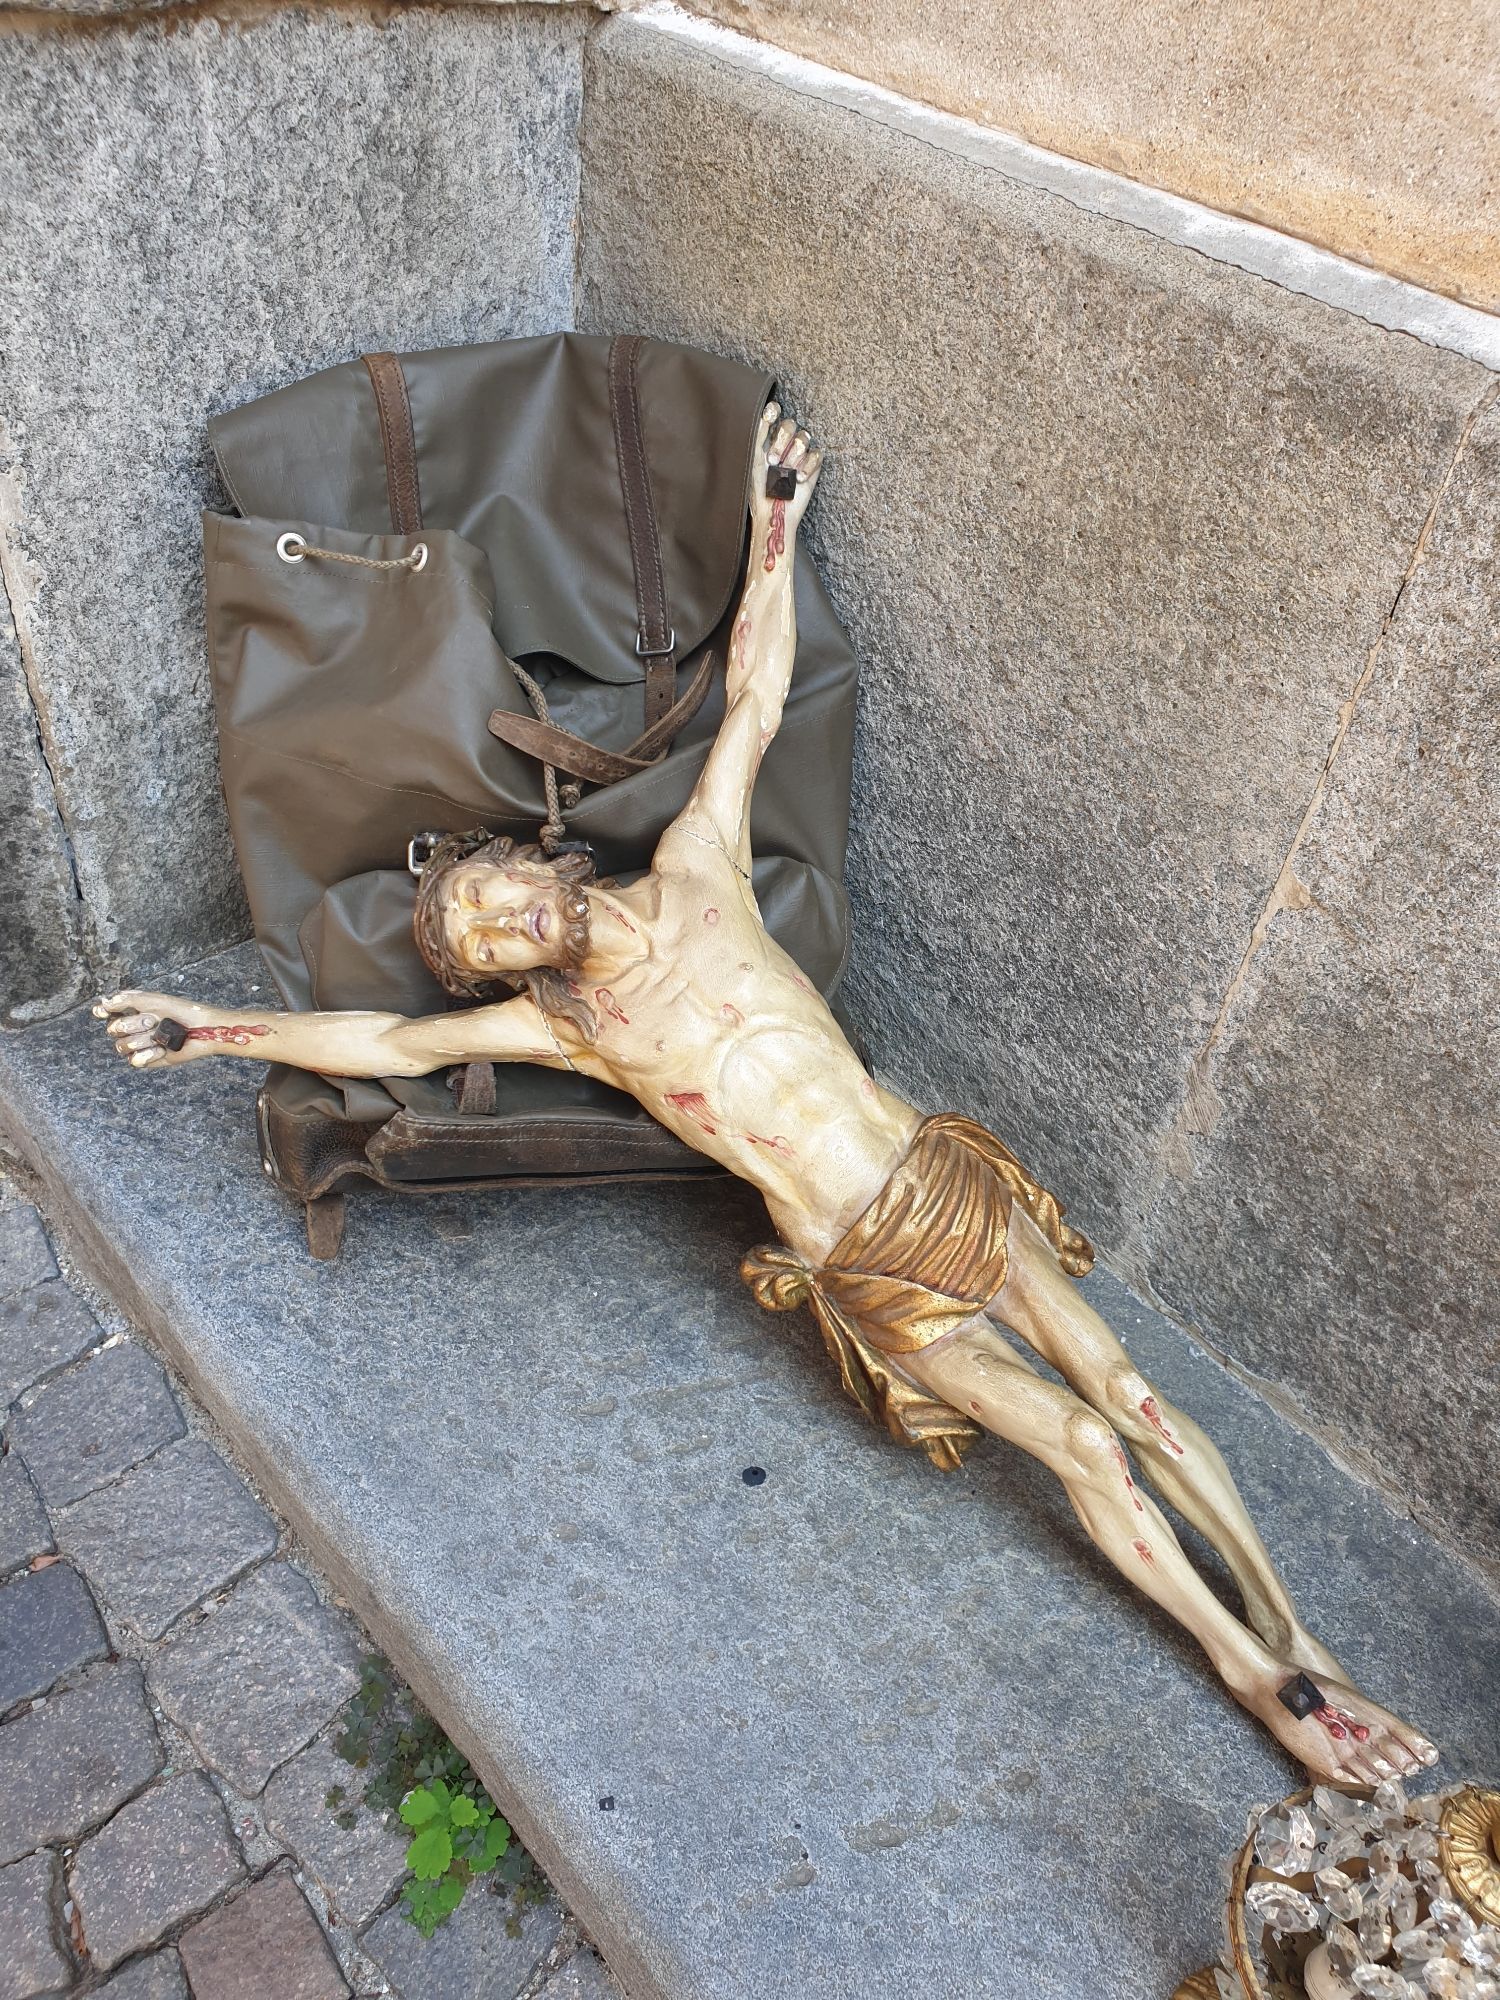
{"points": [[645, 652], [419, 851]]}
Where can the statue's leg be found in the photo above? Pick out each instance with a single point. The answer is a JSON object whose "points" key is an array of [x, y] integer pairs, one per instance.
{"points": [[1043, 1305], [978, 1372]]}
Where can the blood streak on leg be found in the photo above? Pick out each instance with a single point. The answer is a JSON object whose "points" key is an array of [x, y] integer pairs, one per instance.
{"points": [[781, 1147], [710, 916], [1152, 1413], [1143, 1550], [239, 1037], [693, 1104], [1125, 1475], [732, 1015], [611, 1006]]}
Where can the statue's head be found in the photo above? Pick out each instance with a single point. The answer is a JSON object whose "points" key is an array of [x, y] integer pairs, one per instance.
{"points": [[491, 913]]}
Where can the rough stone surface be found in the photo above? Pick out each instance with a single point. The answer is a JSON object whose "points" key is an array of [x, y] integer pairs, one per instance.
{"points": [[357, 1867], [1261, 109], [168, 1533], [470, 1957], [253, 1682], [265, 1941], [1333, 1185], [1102, 716], [24, 1529], [163, 1857], [40, 968], [32, 1960], [916, 1679], [48, 1628], [41, 1328], [89, 1426], [25, 1254], [158, 1977], [293, 188], [65, 1766], [584, 1977]]}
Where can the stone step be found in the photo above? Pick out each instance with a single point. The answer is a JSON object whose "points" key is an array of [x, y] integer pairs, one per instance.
{"points": [[851, 1731]]}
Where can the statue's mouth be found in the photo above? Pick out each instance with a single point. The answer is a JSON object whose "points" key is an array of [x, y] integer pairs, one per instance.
{"points": [[539, 922]]}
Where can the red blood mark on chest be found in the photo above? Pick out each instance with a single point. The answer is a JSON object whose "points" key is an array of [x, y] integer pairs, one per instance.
{"points": [[776, 539], [732, 1015], [693, 1104], [238, 1037], [710, 917], [799, 979], [1152, 1413], [611, 1006], [781, 1147], [1124, 1464], [1143, 1550]]}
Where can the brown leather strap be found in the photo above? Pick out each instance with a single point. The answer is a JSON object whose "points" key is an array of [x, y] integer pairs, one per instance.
{"points": [[476, 1090], [398, 440], [582, 759], [656, 642]]}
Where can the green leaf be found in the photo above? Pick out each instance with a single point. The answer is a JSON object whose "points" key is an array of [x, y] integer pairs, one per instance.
{"points": [[429, 1854], [447, 1896], [463, 1811], [418, 1807], [496, 1840], [440, 1792]]}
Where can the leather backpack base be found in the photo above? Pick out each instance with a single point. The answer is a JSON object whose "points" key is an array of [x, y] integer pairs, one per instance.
{"points": [[571, 506]]}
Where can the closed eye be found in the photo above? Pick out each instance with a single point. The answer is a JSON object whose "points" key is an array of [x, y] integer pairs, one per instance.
{"points": [[473, 895]]}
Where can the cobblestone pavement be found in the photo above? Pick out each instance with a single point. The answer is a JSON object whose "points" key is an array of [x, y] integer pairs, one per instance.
{"points": [[172, 1675]]}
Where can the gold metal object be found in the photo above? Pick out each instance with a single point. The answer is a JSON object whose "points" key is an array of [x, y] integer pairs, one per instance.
{"points": [[1471, 1850], [1199, 1986]]}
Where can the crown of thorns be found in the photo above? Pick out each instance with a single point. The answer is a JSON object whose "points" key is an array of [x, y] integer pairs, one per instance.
{"points": [[434, 859]]}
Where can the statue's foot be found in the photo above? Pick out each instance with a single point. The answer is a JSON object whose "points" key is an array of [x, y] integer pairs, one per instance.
{"points": [[1349, 1739], [1303, 1651]]}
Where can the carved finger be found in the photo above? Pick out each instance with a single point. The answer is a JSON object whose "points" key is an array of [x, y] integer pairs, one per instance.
{"points": [[785, 431], [131, 1024], [797, 450], [768, 416], [145, 1057], [810, 467]]}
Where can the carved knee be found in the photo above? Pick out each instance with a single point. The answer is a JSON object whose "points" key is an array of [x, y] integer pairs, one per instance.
{"points": [[1093, 1446], [1139, 1412]]}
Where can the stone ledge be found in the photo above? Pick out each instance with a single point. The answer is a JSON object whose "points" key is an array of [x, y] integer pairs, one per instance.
{"points": [[863, 1726]]}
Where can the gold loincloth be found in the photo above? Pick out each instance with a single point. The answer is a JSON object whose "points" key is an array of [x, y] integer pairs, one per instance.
{"points": [[927, 1254]]}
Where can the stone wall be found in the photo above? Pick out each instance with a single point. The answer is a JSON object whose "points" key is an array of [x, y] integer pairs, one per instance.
{"points": [[1369, 129], [198, 212], [1173, 591]]}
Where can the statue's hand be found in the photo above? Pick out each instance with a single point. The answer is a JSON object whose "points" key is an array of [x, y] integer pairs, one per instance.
{"points": [[780, 446], [141, 1025]]}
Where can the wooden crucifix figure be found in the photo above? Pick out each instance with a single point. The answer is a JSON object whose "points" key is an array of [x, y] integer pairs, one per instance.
{"points": [[914, 1240]]}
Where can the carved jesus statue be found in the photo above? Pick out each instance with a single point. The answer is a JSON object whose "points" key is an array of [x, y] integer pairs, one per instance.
{"points": [[914, 1240]]}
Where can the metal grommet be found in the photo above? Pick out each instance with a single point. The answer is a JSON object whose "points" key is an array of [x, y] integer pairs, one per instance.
{"points": [[291, 548], [420, 552]]}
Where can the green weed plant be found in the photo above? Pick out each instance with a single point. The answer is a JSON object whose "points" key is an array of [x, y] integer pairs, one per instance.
{"points": [[418, 1777]]}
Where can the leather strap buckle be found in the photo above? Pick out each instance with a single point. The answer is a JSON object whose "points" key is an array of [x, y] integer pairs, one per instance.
{"points": [[419, 851], [645, 652]]}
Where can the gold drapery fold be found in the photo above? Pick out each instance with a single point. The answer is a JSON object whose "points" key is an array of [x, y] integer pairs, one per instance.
{"points": [[927, 1254]]}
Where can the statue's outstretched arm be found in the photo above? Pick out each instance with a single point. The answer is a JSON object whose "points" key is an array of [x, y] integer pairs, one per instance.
{"points": [[762, 644], [162, 1030]]}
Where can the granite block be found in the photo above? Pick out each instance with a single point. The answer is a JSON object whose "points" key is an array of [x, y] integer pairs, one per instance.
{"points": [[158, 1977], [41, 1328], [1113, 527], [89, 1426], [32, 1958], [255, 1680], [482, 1952], [25, 1254], [1329, 1212], [266, 1941], [24, 1528], [161, 1538], [40, 942], [48, 1628], [512, 1425], [584, 1977], [358, 1868], [162, 1858], [290, 188], [68, 1763]]}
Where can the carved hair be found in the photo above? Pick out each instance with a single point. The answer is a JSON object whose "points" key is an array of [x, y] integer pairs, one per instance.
{"points": [[549, 985]]}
